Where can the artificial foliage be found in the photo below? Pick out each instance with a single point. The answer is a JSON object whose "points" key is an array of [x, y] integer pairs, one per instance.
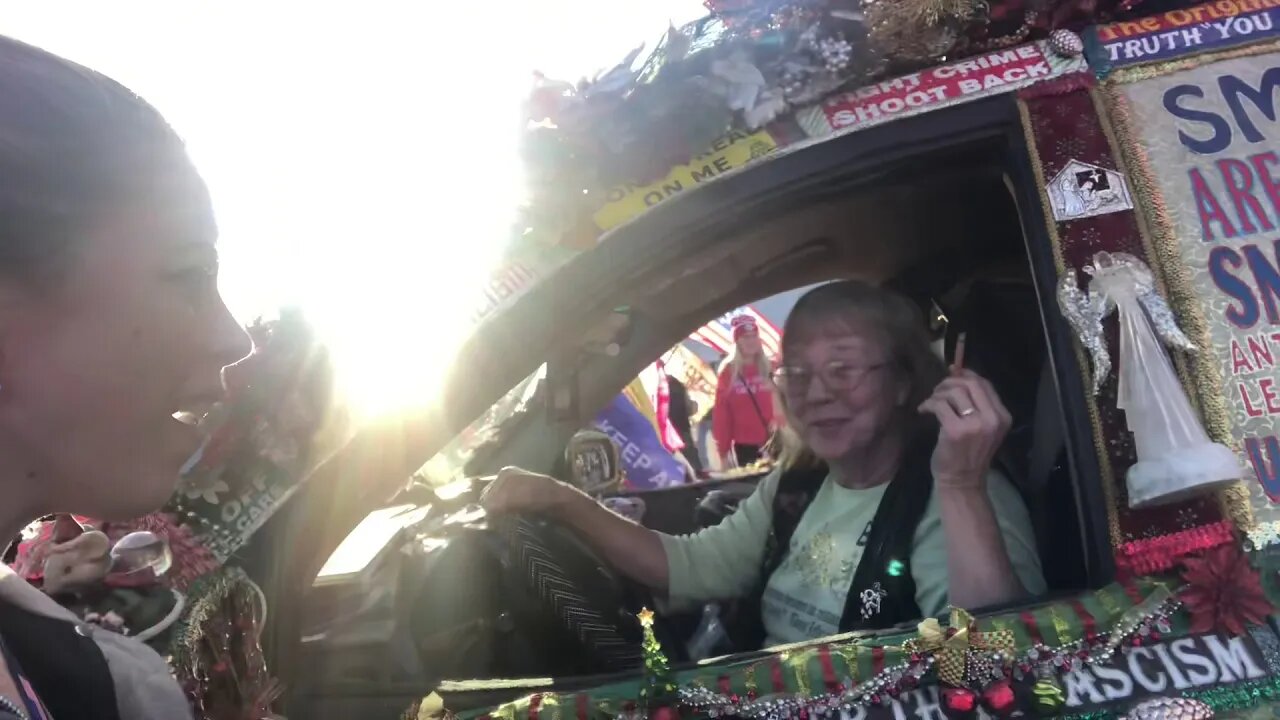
{"points": [[658, 686], [825, 677], [1223, 591], [749, 64]]}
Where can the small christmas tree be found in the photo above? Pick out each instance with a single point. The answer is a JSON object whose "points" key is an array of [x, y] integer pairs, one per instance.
{"points": [[658, 685]]}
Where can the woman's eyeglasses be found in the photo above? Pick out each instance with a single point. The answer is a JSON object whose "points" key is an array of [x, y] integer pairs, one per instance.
{"points": [[837, 376]]}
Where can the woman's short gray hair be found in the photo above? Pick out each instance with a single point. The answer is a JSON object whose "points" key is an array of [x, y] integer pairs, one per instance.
{"points": [[844, 306]]}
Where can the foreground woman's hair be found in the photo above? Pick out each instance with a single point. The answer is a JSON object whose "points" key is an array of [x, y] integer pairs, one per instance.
{"points": [[74, 146]]}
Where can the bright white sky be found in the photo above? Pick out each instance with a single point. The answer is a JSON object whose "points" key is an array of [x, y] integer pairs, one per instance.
{"points": [[361, 155]]}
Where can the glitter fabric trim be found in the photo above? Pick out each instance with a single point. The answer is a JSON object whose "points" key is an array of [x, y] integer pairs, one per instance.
{"points": [[1060, 86], [1091, 405], [1158, 554], [1205, 378], [1269, 644], [1263, 535], [1059, 129], [1145, 72], [749, 680]]}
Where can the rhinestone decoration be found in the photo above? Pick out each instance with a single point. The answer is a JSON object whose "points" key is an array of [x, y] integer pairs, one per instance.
{"points": [[1171, 709], [1040, 664], [1066, 43]]}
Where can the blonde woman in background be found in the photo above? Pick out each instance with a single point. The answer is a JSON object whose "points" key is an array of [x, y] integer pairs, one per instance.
{"points": [[743, 417]]}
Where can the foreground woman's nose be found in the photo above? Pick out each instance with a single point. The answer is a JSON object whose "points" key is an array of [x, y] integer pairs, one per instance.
{"points": [[230, 341]]}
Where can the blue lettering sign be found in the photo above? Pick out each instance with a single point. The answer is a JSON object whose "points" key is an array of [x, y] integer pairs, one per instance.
{"points": [[1212, 131], [1171, 42], [647, 463]]}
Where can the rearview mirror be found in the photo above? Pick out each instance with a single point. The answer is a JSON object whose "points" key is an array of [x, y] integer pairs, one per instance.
{"points": [[593, 461]]}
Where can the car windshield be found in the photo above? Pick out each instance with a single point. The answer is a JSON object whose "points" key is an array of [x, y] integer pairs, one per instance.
{"points": [[448, 464]]}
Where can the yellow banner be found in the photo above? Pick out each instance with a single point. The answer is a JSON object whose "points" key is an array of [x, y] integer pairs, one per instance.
{"points": [[731, 151], [639, 397]]}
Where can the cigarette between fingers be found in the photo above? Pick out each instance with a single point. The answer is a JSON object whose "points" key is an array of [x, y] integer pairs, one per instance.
{"points": [[958, 362]]}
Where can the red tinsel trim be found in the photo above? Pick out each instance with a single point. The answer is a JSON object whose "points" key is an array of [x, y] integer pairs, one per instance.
{"points": [[583, 704], [828, 669], [1087, 620], [535, 702], [775, 674], [1033, 627], [1059, 86], [1159, 554], [726, 686], [877, 660]]}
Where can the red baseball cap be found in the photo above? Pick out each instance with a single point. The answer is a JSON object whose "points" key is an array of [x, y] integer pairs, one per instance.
{"points": [[744, 325]]}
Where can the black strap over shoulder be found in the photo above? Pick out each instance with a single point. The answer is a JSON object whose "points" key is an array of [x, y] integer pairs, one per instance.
{"points": [[66, 668], [882, 592]]}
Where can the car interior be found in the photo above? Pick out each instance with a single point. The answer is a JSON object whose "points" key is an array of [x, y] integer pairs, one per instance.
{"points": [[446, 598]]}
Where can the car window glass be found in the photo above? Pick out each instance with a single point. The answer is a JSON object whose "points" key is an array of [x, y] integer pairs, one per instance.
{"points": [[447, 463]]}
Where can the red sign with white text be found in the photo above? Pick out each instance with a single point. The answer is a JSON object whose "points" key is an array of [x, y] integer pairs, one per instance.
{"points": [[910, 94]]}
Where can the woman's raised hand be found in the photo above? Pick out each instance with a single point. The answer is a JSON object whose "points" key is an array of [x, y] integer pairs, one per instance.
{"points": [[514, 490], [973, 424]]}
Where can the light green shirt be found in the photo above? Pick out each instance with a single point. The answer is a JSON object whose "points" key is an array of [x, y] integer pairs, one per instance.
{"points": [[805, 596]]}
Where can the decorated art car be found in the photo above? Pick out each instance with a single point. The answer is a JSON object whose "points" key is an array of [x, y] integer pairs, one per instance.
{"points": [[988, 186], [1087, 192]]}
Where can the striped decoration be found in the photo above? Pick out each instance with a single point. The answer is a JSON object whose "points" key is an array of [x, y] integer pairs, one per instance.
{"points": [[810, 666]]}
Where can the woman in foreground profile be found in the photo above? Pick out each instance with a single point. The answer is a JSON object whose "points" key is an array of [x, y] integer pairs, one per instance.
{"points": [[110, 323], [885, 510]]}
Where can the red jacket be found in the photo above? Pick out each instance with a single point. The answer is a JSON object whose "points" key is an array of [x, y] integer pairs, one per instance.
{"points": [[735, 419]]}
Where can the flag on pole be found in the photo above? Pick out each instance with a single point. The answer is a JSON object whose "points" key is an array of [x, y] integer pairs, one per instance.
{"points": [[671, 439], [630, 421]]}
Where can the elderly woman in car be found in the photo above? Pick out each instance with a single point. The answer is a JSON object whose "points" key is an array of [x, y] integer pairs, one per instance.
{"points": [[885, 509]]}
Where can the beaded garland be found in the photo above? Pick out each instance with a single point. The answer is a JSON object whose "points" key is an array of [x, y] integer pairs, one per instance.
{"points": [[825, 677], [1143, 624]]}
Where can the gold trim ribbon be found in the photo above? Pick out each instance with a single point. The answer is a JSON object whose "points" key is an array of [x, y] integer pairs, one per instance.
{"points": [[950, 647]]}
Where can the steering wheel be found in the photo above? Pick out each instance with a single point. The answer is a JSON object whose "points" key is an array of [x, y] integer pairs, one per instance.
{"points": [[569, 586]]}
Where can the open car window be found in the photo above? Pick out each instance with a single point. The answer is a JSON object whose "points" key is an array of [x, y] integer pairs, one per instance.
{"points": [[450, 461]]}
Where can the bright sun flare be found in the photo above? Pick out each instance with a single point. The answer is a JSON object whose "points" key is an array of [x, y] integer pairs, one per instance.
{"points": [[362, 157]]}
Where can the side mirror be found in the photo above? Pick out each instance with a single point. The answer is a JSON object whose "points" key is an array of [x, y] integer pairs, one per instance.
{"points": [[593, 461]]}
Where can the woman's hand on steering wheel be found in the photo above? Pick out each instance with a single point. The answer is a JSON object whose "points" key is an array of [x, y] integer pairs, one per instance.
{"points": [[514, 490]]}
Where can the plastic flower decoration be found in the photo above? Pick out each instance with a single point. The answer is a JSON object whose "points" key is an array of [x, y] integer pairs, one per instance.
{"points": [[1223, 592]]}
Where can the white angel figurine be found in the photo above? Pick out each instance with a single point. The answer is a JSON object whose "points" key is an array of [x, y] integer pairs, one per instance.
{"points": [[1175, 456]]}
